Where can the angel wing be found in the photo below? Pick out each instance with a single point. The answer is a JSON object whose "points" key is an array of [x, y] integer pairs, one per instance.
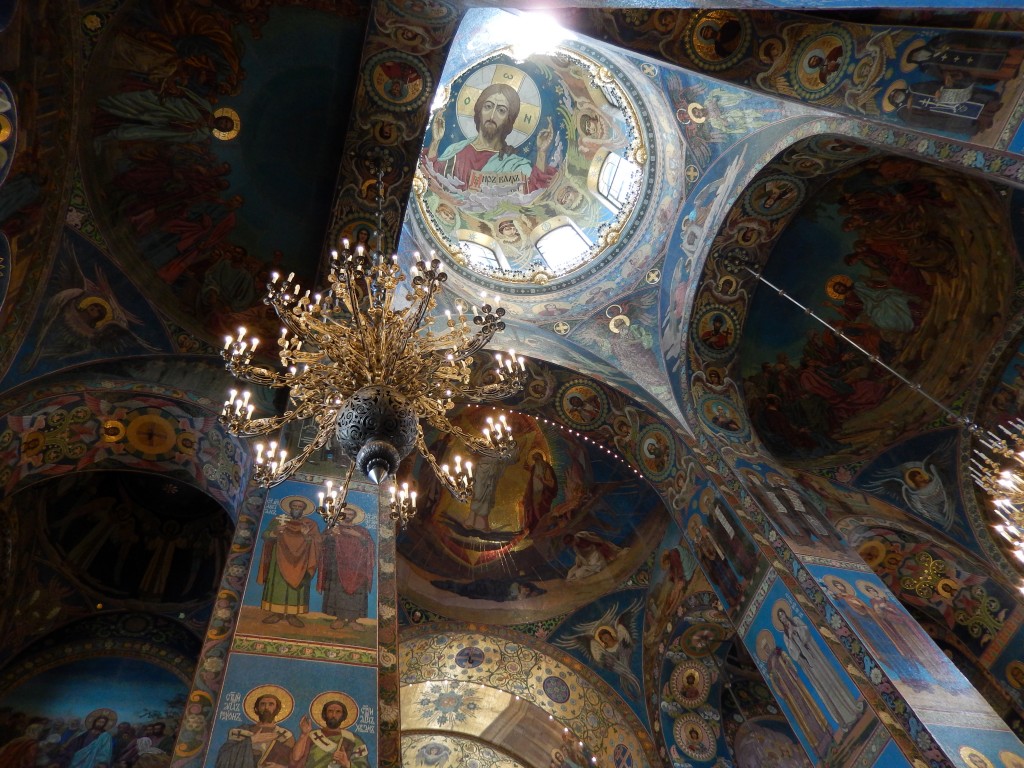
{"points": [[926, 496]]}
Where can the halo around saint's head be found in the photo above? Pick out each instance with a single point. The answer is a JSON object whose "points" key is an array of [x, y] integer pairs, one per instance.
{"points": [[529, 100], [279, 693], [765, 644], [110, 714], [316, 708], [781, 605], [358, 515], [236, 124], [308, 506]]}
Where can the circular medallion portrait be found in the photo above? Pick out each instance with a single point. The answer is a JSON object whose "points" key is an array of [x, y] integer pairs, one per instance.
{"points": [[531, 170], [690, 684], [694, 737], [715, 332], [773, 197], [657, 452], [820, 63], [717, 39], [582, 405], [701, 639], [397, 81]]}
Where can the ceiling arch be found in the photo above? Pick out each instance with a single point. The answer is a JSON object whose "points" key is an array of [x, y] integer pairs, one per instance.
{"points": [[512, 671]]}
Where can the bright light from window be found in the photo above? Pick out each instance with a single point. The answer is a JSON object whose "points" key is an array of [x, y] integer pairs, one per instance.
{"points": [[617, 174], [483, 256], [563, 248], [527, 33]]}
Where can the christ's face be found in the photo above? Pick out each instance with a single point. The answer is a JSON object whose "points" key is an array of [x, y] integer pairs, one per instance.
{"points": [[494, 116]]}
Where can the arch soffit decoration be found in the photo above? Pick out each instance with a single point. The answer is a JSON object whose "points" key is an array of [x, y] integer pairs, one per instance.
{"points": [[55, 426], [684, 372], [519, 666]]}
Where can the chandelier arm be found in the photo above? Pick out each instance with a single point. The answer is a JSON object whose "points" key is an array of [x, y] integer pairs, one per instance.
{"points": [[474, 443], [462, 494], [488, 392], [264, 377], [289, 467]]}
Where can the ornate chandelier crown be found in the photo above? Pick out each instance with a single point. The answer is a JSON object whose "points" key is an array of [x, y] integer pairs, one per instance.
{"points": [[369, 371]]}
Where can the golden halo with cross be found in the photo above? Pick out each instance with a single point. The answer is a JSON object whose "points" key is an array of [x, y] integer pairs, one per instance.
{"points": [[316, 708], [279, 693], [530, 103]]}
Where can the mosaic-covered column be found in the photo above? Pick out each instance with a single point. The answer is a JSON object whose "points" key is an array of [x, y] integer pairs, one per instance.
{"points": [[835, 721], [310, 675], [949, 721]]}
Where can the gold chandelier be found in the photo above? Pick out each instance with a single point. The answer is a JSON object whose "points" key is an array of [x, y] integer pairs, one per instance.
{"points": [[1003, 480], [366, 363]]}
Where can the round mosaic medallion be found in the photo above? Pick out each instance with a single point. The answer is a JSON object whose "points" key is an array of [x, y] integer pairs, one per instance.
{"points": [[716, 40], [657, 452], [582, 405], [397, 81], [533, 169], [774, 196], [721, 416], [694, 737], [469, 657], [690, 684], [714, 333], [701, 639], [556, 689], [820, 63]]}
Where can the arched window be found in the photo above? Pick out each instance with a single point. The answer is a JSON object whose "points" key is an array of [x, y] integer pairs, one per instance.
{"points": [[614, 180], [563, 246]]}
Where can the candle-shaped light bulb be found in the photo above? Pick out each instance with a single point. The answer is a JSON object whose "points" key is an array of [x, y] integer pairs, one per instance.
{"points": [[241, 332], [227, 341], [444, 469], [469, 469], [255, 341], [259, 453], [412, 499]]}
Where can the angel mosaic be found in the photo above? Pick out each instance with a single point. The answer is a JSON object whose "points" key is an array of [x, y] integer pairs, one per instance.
{"points": [[608, 642]]}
